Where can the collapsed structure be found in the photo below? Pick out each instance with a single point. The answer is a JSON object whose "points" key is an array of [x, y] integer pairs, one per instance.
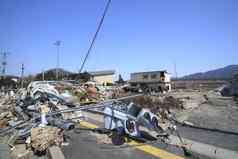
{"points": [[157, 81]]}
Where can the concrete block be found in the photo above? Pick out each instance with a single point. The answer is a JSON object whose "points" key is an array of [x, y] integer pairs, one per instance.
{"points": [[55, 152]]}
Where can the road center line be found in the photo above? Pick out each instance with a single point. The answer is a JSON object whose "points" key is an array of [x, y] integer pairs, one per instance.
{"points": [[155, 151]]}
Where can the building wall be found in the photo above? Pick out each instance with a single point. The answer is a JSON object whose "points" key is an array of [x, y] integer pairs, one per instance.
{"points": [[167, 77], [155, 80], [150, 77], [103, 79]]}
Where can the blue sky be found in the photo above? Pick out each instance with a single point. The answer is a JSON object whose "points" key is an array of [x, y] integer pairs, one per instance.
{"points": [[137, 35]]}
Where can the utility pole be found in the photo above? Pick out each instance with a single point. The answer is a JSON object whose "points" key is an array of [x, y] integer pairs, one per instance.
{"points": [[176, 74], [57, 44], [4, 62], [175, 71], [43, 75], [22, 75]]}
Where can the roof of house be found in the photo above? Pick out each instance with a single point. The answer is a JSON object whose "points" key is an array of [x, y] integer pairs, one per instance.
{"points": [[101, 73], [9, 76]]}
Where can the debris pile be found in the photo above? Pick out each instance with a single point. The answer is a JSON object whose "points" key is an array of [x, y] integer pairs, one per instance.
{"points": [[44, 137], [39, 115], [3, 123], [155, 104], [24, 119], [6, 111], [86, 93]]}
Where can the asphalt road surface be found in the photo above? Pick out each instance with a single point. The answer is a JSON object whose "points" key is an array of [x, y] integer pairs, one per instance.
{"points": [[85, 145]]}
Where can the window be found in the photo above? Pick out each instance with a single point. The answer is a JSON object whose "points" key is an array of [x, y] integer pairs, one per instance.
{"points": [[162, 74], [153, 76], [145, 76]]}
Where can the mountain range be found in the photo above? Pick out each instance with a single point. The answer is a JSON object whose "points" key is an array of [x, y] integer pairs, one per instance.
{"points": [[227, 72]]}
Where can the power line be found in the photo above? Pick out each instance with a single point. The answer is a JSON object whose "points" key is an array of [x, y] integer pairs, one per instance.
{"points": [[95, 35]]}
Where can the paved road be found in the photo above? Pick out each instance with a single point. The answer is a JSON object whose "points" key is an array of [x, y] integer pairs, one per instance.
{"points": [[84, 145], [213, 138], [218, 113]]}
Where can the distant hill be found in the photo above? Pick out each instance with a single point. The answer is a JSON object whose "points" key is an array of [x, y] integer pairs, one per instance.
{"points": [[50, 74], [62, 74], [60, 71], [222, 73]]}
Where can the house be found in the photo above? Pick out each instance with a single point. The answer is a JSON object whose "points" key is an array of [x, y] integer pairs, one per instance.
{"points": [[9, 82], [153, 80], [105, 77]]}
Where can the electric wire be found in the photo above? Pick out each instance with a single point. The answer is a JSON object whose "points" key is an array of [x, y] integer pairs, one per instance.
{"points": [[95, 35]]}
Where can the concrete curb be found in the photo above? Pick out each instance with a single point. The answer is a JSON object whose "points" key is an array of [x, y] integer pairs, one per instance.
{"points": [[206, 149], [55, 152]]}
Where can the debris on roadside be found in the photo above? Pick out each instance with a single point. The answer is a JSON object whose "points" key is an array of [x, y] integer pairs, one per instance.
{"points": [[102, 138], [24, 119], [3, 123], [39, 115], [43, 137], [156, 104]]}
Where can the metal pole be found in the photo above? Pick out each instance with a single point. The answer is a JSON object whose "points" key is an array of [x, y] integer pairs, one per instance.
{"points": [[43, 75], [22, 75], [175, 71], [57, 44], [4, 62], [57, 67]]}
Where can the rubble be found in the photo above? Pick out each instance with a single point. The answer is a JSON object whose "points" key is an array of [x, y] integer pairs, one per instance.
{"points": [[6, 115], [22, 117], [102, 138], [3, 123], [156, 104], [40, 114], [43, 137], [86, 93]]}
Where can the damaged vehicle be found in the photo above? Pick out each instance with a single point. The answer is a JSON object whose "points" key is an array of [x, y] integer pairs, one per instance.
{"points": [[126, 120]]}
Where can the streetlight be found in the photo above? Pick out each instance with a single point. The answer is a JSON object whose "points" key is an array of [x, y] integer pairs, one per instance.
{"points": [[57, 44]]}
